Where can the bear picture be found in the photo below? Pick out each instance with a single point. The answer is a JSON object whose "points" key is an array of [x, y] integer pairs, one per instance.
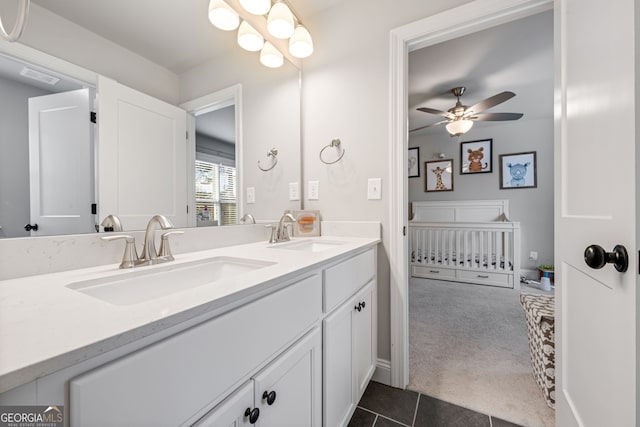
{"points": [[476, 156], [518, 170]]}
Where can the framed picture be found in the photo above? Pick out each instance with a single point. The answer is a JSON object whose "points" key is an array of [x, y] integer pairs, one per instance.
{"points": [[438, 175], [414, 162], [476, 156], [518, 170]]}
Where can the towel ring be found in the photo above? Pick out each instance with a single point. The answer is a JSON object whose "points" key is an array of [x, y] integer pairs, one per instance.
{"points": [[334, 143], [21, 20], [272, 153]]}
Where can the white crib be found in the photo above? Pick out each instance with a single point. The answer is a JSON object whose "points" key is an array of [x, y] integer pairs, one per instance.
{"points": [[465, 241]]}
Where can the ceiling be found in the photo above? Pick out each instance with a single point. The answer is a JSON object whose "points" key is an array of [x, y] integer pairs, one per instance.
{"points": [[172, 33], [517, 56]]}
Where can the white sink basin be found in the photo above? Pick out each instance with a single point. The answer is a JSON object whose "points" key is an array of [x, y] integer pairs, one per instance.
{"points": [[149, 283], [308, 245]]}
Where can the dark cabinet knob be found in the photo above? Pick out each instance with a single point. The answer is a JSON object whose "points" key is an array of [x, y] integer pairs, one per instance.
{"points": [[363, 304], [253, 415], [358, 307], [270, 396], [30, 227], [596, 257]]}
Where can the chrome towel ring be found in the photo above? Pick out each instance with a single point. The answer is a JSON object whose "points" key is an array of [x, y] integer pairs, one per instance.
{"points": [[334, 143], [272, 153]]}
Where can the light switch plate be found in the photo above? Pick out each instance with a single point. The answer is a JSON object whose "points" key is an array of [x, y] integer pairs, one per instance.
{"points": [[294, 191], [251, 194], [314, 190], [374, 189]]}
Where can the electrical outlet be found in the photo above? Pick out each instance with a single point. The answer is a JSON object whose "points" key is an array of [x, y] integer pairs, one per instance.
{"points": [[294, 191], [314, 190], [251, 194], [374, 189], [533, 255]]}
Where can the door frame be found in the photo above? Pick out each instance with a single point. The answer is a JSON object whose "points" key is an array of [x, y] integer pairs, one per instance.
{"points": [[231, 95], [457, 22]]}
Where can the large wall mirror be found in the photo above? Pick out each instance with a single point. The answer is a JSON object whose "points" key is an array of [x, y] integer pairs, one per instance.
{"points": [[236, 136]]}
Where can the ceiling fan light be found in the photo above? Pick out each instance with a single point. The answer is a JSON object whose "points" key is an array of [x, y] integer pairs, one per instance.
{"points": [[249, 38], [270, 56], [280, 23], [459, 127], [300, 43], [256, 7], [222, 16]]}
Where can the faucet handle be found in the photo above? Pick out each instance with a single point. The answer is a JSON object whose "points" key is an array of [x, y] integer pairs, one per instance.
{"points": [[130, 257], [274, 229], [165, 249]]}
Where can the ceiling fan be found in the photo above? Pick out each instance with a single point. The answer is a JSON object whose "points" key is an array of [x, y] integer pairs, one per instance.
{"points": [[460, 118]]}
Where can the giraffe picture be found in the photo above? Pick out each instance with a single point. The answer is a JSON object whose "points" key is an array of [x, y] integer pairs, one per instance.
{"points": [[438, 175]]}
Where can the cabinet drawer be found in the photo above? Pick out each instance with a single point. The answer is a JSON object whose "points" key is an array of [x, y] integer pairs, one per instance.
{"points": [[197, 367], [433, 272], [343, 280], [483, 277]]}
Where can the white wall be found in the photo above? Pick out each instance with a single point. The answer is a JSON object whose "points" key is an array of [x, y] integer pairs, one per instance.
{"points": [[345, 94], [14, 156], [532, 207], [64, 39]]}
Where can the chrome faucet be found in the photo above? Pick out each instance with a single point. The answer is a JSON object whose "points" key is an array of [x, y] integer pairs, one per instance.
{"points": [[282, 234], [149, 253]]}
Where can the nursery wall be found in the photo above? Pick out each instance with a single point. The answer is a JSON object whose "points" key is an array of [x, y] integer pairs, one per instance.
{"points": [[532, 207]]}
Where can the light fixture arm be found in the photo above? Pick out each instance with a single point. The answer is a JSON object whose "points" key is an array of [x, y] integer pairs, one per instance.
{"points": [[21, 21]]}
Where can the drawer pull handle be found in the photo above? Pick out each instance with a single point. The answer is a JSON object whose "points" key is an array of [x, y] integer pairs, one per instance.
{"points": [[252, 414], [270, 396], [434, 271], [482, 276]]}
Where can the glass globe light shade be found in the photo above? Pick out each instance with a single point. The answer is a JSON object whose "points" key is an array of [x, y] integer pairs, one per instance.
{"points": [[300, 43], [280, 22], [270, 56], [222, 16], [459, 127], [248, 38], [256, 7]]}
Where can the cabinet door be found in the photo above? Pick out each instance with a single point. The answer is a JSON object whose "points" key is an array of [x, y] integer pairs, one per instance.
{"points": [[337, 373], [231, 412], [364, 333], [289, 391]]}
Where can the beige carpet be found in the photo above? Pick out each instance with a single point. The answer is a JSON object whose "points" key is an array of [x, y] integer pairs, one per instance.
{"points": [[469, 346]]}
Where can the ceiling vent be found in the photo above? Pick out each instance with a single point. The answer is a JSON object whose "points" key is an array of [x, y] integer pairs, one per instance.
{"points": [[37, 75]]}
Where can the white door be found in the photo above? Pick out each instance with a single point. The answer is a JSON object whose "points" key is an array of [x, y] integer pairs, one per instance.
{"points": [[61, 164], [595, 191], [142, 157]]}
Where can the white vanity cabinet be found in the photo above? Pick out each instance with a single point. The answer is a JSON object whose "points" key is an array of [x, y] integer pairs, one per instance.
{"points": [[170, 382], [288, 392], [349, 336]]}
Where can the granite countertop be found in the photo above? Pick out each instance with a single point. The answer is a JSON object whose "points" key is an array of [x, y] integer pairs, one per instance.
{"points": [[46, 326]]}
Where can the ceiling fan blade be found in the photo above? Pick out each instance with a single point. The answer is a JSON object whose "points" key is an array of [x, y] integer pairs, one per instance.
{"points": [[496, 117], [436, 112], [489, 102], [428, 126]]}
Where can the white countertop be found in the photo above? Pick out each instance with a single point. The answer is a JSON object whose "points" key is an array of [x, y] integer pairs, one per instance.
{"points": [[46, 326]]}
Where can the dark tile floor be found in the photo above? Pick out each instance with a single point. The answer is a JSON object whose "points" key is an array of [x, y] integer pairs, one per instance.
{"points": [[384, 406]]}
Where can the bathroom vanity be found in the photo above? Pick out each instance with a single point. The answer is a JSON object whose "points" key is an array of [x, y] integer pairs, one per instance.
{"points": [[284, 336]]}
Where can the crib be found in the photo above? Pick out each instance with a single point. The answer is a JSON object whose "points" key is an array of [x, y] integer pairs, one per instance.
{"points": [[465, 241]]}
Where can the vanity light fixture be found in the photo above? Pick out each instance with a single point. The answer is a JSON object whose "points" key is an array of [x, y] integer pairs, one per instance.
{"points": [[223, 16], [256, 7], [274, 30], [21, 21], [280, 22], [270, 56], [249, 38]]}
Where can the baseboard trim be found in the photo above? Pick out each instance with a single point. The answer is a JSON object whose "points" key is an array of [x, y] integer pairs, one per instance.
{"points": [[382, 373]]}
